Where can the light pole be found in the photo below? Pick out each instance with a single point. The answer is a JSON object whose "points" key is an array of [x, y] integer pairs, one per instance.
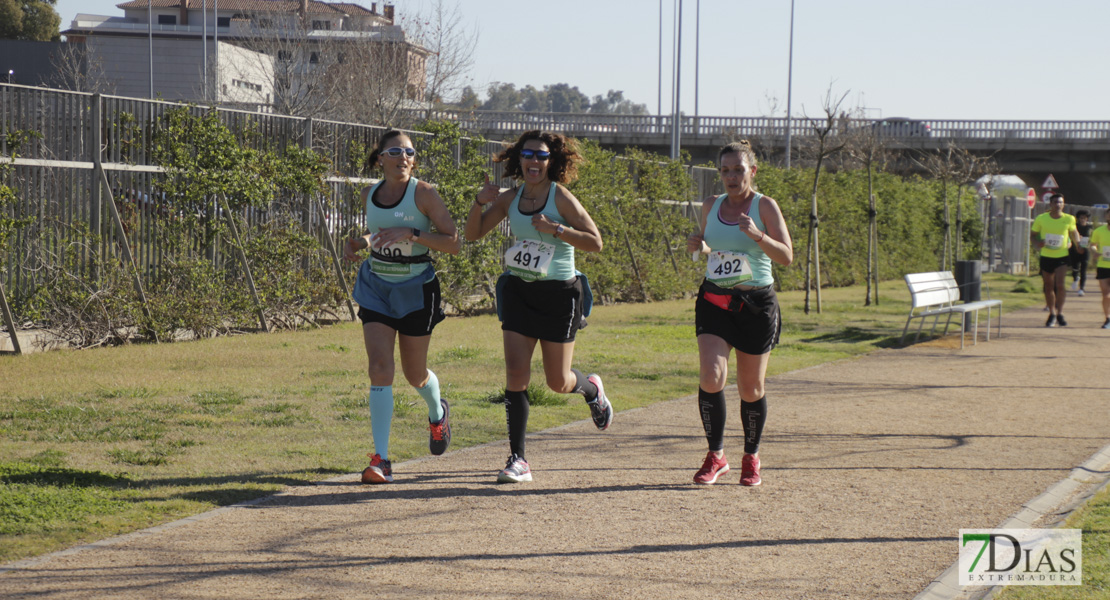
{"points": [[10, 73], [660, 99], [150, 44], [676, 126], [789, 83]]}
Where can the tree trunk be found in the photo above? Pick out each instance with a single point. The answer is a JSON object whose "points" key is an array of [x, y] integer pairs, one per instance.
{"points": [[815, 247], [944, 264], [871, 262], [959, 221]]}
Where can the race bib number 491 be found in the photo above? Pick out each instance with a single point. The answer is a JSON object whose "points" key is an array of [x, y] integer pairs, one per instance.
{"points": [[529, 259]]}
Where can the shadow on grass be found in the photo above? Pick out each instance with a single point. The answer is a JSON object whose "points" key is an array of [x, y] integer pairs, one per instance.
{"points": [[35, 475], [855, 335]]}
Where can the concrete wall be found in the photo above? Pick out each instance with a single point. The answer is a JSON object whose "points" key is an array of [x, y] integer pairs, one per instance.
{"points": [[33, 62], [178, 68]]}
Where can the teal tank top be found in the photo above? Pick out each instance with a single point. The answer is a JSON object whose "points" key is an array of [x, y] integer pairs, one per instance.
{"points": [[561, 267], [403, 214], [721, 236]]}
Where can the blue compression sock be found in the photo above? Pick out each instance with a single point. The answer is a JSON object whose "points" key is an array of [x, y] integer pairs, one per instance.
{"points": [[430, 394], [381, 417]]}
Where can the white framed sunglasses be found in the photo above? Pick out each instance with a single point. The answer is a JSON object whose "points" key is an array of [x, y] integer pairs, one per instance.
{"points": [[398, 151]]}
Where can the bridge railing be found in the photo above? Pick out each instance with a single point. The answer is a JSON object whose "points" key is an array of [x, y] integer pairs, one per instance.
{"points": [[503, 124]]}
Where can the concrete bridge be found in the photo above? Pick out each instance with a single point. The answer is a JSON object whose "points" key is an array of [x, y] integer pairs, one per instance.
{"points": [[1077, 153]]}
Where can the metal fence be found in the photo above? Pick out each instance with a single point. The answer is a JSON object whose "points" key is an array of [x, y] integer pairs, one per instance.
{"points": [[92, 161]]}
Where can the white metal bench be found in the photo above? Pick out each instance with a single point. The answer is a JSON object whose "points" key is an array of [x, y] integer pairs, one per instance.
{"points": [[936, 294]]}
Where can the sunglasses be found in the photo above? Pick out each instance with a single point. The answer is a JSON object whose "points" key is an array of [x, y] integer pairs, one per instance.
{"points": [[397, 151], [538, 154]]}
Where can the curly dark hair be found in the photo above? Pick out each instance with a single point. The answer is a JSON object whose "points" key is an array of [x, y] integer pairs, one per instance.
{"points": [[562, 167], [383, 143]]}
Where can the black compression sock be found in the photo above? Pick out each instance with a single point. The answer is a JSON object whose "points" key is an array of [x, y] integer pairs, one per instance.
{"points": [[583, 386], [712, 409], [754, 415], [516, 417]]}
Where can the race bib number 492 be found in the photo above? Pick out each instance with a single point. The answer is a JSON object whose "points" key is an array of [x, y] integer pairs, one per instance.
{"points": [[727, 269], [529, 259]]}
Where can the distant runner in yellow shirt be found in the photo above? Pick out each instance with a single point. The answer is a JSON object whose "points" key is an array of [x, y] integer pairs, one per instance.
{"points": [[1100, 246], [1053, 233]]}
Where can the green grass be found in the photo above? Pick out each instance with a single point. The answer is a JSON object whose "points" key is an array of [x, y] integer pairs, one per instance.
{"points": [[101, 442], [1094, 520]]}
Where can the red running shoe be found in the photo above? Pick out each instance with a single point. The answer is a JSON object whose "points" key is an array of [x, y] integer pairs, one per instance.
{"points": [[439, 434], [749, 470], [379, 471], [711, 469]]}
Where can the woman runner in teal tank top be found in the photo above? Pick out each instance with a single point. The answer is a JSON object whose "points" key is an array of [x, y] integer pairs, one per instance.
{"points": [[398, 292], [540, 298], [742, 232]]}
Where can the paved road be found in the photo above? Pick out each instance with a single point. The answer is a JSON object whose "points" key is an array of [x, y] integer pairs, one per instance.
{"points": [[871, 466]]}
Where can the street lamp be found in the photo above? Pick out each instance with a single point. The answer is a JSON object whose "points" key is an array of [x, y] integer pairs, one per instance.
{"points": [[10, 73], [789, 83]]}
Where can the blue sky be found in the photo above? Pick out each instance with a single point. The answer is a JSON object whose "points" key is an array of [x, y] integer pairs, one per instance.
{"points": [[943, 59]]}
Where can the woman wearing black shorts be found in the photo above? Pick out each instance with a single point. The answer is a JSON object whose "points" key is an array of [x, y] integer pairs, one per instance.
{"points": [[398, 292], [743, 232], [541, 297]]}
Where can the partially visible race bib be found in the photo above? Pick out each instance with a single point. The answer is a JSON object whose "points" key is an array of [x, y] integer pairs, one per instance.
{"points": [[727, 269], [396, 249], [1106, 252], [529, 259], [1084, 241], [1053, 241]]}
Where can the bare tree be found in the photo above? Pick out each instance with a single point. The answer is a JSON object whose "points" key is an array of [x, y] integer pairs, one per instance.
{"points": [[865, 146], [451, 50], [362, 76], [826, 144], [953, 165], [76, 72]]}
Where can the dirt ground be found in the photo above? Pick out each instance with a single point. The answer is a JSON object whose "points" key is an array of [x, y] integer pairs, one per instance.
{"points": [[871, 466]]}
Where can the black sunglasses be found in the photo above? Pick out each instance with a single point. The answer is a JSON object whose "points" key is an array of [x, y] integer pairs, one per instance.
{"points": [[540, 154], [396, 151]]}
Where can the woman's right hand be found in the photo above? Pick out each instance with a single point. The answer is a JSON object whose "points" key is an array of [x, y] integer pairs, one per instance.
{"points": [[488, 193], [695, 243], [353, 246]]}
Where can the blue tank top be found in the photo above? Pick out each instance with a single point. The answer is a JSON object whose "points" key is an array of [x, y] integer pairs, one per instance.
{"points": [[403, 214], [721, 236], [561, 267]]}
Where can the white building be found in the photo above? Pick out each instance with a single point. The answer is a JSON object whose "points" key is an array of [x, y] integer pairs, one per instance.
{"points": [[243, 41]]}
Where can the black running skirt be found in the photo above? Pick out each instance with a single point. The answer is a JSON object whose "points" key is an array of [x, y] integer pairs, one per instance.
{"points": [[545, 310], [748, 320]]}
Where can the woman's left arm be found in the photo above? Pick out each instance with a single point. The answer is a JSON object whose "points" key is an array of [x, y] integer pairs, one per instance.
{"points": [[776, 242], [445, 238], [582, 233]]}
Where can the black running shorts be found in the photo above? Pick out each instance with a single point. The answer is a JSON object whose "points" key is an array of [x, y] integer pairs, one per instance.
{"points": [[1049, 264]]}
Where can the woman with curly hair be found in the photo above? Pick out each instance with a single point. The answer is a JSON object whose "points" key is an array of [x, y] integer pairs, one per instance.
{"points": [[743, 232], [541, 297], [398, 292]]}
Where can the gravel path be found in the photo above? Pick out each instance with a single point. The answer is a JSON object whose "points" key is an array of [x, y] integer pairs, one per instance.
{"points": [[871, 466]]}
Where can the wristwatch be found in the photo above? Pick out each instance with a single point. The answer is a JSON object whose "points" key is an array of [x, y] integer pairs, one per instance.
{"points": [[415, 233], [559, 230]]}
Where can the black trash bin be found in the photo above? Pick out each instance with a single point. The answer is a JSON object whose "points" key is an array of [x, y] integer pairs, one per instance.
{"points": [[969, 276]]}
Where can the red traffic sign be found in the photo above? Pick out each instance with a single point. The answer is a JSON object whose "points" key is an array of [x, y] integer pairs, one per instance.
{"points": [[1049, 183], [1031, 197]]}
